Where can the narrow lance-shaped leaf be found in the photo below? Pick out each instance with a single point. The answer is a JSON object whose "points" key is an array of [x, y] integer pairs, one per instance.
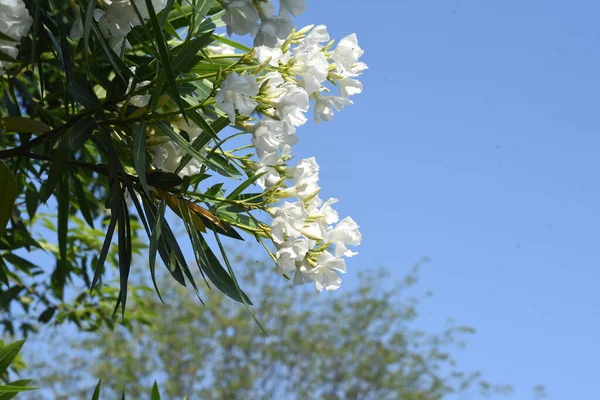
{"points": [[139, 156], [8, 195], [164, 59], [226, 169], [209, 131], [155, 393], [154, 242], [23, 125], [96, 395], [8, 354], [80, 133]]}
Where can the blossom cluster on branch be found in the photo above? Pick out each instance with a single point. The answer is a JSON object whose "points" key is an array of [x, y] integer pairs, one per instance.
{"points": [[158, 122]]}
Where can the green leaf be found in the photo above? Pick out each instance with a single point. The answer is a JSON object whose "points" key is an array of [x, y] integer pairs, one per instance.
{"points": [[23, 125], [6, 57], [54, 174], [47, 314], [163, 180], [4, 36], [83, 95], [32, 200], [238, 190], [139, 156], [115, 211], [231, 43], [154, 241], [8, 195], [88, 20], [120, 67], [8, 354], [14, 389], [82, 201], [185, 55], [125, 254], [155, 394], [232, 214], [213, 22], [163, 57], [64, 202], [21, 383], [218, 275], [96, 395], [209, 131], [81, 132], [227, 169]]}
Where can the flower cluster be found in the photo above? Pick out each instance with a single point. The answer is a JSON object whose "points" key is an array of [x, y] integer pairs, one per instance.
{"points": [[298, 68], [303, 231], [266, 93], [15, 22]]}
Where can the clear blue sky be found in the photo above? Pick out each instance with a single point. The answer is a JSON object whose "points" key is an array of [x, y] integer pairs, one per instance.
{"points": [[475, 142]]}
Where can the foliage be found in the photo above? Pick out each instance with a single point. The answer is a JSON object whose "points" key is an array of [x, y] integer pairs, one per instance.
{"points": [[9, 357], [359, 345], [117, 112]]}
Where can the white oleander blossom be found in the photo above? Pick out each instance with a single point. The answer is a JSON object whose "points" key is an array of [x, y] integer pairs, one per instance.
{"points": [[346, 54], [345, 233], [235, 94], [270, 136], [288, 221], [324, 275], [116, 21], [168, 155], [15, 22], [272, 30], [242, 17], [291, 7]]}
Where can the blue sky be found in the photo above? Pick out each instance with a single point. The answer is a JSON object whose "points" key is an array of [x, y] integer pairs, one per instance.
{"points": [[475, 143]]}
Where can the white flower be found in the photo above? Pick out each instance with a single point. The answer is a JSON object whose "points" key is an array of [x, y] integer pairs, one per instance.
{"points": [[240, 17], [289, 253], [324, 106], [306, 176], [324, 275], [346, 54], [274, 54], [168, 155], [312, 41], [116, 22], [219, 48], [271, 135], [293, 7], [313, 67], [288, 221], [272, 30], [345, 233], [293, 104], [326, 214], [275, 80], [235, 95], [349, 87], [269, 179], [15, 22]]}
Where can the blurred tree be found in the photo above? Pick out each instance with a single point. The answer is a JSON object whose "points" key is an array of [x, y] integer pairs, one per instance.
{"points": [[360, 344]]}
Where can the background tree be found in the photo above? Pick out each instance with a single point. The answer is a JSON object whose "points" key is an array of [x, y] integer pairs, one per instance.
{"points": [[361, 344]]}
